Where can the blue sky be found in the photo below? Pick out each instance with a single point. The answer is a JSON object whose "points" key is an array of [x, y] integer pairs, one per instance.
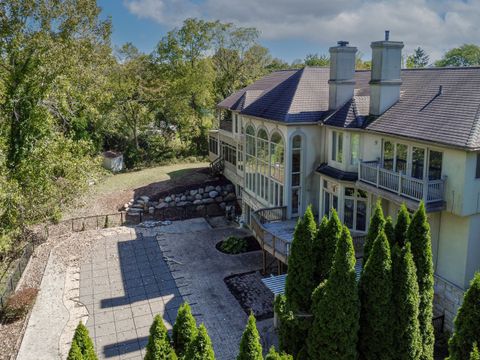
{"points": [[293, 28]]}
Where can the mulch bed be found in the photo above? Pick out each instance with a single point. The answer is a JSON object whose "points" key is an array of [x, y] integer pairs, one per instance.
{"points": [[251, 294], [252, 245]]}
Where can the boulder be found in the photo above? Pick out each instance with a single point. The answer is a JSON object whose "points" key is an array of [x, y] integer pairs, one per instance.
{"points": [[196, 202], [193, 192], [190, 198], [168, 199], [229, 187], [207, 201], [219, 199], [200, 191], [181, 203], [209, 188], [151, 210], [223, 205], [198, 197], [135, 210], [145, 198], [177, 199], [218, 188], [183, 198], [205, 195], [162, 205], [213, 194], [137, 206]]}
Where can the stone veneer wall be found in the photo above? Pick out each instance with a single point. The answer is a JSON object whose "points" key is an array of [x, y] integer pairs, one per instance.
{"points": [[448, 298]]}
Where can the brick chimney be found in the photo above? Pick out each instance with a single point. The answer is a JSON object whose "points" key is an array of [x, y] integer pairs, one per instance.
{"points": [[342, 72], [385, 80]]}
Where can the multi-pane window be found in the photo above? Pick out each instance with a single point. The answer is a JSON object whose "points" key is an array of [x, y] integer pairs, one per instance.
{"points": [[213, 145], [354, 149], [240, 157], [277, 169], [337, 146], [250, 158], [418, 162], [435, 165], [229, 153], [388, 155], [401, 158], [262, 163], [355, 209], [296, 174], [330, 197]]}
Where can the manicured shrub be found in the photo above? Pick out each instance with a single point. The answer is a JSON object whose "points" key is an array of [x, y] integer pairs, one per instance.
{"points": [[158, 346], [201, 347], [82, 340], [184, 330], [475, 355], [274, 355], [336, 313], [234, 245], [407, 336], [376, 315], [19, 304], [401, 226], [418, 235], [377, 222], [250, 347], [300, 283], [75, 353], [328, 234], [467, 323], [390, 230]]}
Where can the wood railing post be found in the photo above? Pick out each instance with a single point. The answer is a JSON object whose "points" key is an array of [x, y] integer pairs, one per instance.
{"points": [[378, 175], [400, 183]]}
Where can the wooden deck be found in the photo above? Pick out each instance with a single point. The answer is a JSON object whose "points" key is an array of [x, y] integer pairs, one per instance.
{"points": [[274, 232]]}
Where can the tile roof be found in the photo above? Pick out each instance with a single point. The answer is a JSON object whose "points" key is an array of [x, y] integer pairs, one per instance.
{"points": [[451, 117], [336, 174]]}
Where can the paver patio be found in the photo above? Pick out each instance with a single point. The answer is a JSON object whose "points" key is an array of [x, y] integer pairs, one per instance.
{"points": [[127, 280]]}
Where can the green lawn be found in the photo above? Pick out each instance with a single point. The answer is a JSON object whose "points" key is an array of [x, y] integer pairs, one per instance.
{"points": [[136, 179]]}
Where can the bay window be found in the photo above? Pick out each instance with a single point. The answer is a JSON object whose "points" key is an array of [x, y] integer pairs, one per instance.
{"points": [[354, 148], [337, 146]]}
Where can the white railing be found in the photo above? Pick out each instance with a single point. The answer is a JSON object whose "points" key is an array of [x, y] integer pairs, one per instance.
{"points": [[373, 173]]}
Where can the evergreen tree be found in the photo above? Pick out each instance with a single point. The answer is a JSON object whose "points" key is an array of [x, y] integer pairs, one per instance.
{"points": [[467, 323], [401, 227], [419, 59], [390, 230], [75, 353], [337, 310], [324, 247], [475, 355], [418, 235], [376, 315], [250, 347], [273, 355], [377, 222], [292, 331], [407, 338], [184, 330], [300, 283], [158, 346], [201, 348], [83, 341]]}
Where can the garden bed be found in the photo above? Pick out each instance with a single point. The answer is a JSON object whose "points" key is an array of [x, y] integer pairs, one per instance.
{"points": [[251, 294], [251, 244]]}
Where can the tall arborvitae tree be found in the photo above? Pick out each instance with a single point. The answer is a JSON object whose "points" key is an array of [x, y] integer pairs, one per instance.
{"points": [[274, 355], [250, 347], [158, 346], [376, 315], [324, 247], [82, 340], [336, 317], [401, 226], [467, 323], [377, 222], [201, 348], [75, 353], [475, 354], [300, 283], [418, 235], [407, 340], [390, 230], [184, 330]]}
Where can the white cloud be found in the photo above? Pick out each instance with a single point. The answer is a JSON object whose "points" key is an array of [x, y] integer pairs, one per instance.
{"points": [[436, 25]]}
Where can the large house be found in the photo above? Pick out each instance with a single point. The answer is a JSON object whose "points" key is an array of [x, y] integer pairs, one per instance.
{"points": [[340, 138]]}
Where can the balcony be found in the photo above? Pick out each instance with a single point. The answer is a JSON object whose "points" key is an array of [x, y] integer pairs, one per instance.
{"points": [[274, 232], [410, 188]]}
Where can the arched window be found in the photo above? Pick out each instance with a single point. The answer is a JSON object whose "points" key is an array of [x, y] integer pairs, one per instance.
{"points": [[250, 158], [262, 163], [277, 169], [296, 174]]}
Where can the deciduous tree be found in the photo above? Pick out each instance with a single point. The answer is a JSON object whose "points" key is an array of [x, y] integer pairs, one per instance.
{"points": [[465, 55]]}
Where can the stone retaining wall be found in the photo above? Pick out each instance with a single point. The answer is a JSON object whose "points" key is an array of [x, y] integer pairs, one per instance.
{"points": [[448, 299]]}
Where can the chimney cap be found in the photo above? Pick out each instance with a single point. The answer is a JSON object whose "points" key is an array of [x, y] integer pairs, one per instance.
{"points": [[342, 43], [387, 35]]}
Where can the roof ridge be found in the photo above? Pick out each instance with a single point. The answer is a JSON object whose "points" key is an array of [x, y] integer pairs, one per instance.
{"points": [[475, 132], [301, 72]]}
